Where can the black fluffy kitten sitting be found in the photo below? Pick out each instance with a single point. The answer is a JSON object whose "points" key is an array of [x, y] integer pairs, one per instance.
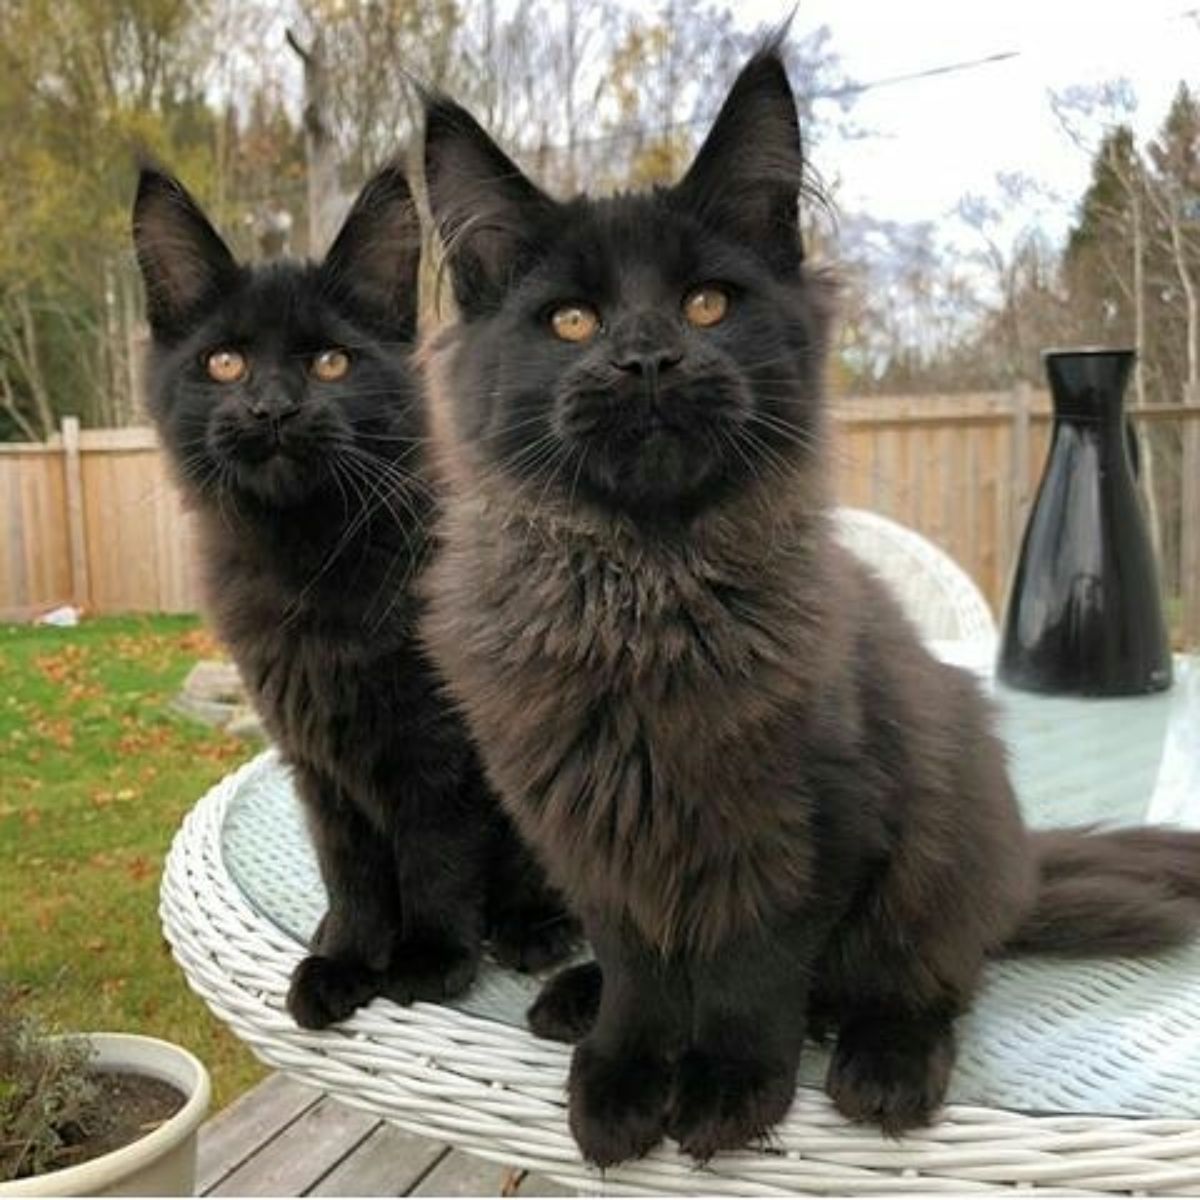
{"points": [[283, 396], [765, 798]]}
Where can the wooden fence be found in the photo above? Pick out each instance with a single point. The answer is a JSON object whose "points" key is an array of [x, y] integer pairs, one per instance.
{"points": [[93, 519]]}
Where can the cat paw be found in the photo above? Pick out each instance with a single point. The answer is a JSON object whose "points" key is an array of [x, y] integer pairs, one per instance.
{"points": [[325, 990], [723, 1102], [566, 1008], [618, 1103], [534, 940], [893, 1074], [432, 970]]}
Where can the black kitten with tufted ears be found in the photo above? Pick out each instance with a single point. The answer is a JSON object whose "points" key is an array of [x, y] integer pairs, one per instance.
{"points": [[285, 399], [770, 804]]}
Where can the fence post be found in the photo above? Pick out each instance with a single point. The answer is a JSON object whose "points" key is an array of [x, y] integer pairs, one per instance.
{"points": [[76, 528], [1021, 406], [1189, 522]]}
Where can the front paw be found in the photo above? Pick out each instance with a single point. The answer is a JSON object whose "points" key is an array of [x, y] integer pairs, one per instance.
{"points": [[325, 990], [726, 1102], [535, 939], [566, 1008], [433, 969], [618, 1103], [893, 1074]]}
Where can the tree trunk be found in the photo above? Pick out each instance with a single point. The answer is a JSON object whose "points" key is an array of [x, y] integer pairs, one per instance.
{"points": [[318, 143], [1146, 444], [571, 72], [1179, 253]]}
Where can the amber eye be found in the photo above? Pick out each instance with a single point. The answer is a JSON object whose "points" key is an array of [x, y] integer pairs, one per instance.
{"points": [[226, 366], [705, 306], [575, 322], [330, 365]]}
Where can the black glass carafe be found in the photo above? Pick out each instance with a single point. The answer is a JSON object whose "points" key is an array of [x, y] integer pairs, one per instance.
{"points": [[1085, 612]]}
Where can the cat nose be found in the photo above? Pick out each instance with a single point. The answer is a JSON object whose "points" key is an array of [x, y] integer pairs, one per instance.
{"points": [[647, 362], [273, 405]]}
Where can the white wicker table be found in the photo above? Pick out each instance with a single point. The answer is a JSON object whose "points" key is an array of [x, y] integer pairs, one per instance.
{"points": [[1073, 1078]]}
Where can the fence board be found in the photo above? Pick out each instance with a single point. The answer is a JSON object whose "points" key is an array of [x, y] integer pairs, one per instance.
{"points": [[76, 532], [1189, 535], [35, 564]]}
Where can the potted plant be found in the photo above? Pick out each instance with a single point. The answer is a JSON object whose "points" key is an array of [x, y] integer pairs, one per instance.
{"points": [[108, 1114]]}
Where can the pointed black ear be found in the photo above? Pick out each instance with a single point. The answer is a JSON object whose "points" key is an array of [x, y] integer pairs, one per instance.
{"points": [[486, 211], [746, 178], [375, 260], [183, 260]]}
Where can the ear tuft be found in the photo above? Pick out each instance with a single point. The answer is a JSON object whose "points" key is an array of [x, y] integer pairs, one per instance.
{"points": [[184, 262], [375, 260], [486, 211], [747, 177]]}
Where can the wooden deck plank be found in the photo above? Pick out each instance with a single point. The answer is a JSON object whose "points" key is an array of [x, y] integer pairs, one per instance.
{"points": [[237, 1132], [534, 1184], [461, 1174], [389, 1163], [302, 1154], [285, 1138]]}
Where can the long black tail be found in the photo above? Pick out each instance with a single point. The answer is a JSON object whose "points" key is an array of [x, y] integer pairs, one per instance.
{"points": [[1121, 892]]}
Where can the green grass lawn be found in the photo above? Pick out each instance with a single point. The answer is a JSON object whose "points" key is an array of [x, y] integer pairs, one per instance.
{"points": [[95, 775]]}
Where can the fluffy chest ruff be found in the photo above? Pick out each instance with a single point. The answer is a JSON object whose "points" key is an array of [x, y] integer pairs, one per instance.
{"points": [[342, 692], [631, 701]]}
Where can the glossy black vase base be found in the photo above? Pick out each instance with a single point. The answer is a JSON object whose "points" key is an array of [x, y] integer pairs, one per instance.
{"points": [[1085, 614], [1027, 678]]}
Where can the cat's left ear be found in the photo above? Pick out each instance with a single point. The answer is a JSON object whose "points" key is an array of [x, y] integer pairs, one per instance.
{"points": [[746, 178], [374, 263]]}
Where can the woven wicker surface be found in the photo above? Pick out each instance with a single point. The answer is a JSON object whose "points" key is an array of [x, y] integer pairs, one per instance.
{"points": [[1071, 1040], [490, 1087]]}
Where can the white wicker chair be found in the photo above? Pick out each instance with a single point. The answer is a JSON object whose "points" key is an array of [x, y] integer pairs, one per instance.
{"points": [[938, 595]]}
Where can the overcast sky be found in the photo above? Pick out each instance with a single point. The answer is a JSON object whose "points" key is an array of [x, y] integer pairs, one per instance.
{"points": [[936, 138]]}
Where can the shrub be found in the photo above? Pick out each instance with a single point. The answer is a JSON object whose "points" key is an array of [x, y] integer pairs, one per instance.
{"points": [[48, 1101]]}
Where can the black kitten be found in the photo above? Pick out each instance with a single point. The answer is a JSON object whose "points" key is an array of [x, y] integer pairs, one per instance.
{"points": [[284, 397], [772, 807]]}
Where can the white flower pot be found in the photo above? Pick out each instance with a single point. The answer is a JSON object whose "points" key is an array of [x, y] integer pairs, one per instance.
{"points": [[163, 1162]]}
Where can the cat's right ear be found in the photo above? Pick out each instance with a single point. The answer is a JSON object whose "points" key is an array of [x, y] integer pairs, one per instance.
{"points": [[748, 175], [375, 260], [183, 260], [486, 211]]}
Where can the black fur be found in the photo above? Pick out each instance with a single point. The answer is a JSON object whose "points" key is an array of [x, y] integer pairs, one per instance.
{"points": [[314, 516], [772, 807]]}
